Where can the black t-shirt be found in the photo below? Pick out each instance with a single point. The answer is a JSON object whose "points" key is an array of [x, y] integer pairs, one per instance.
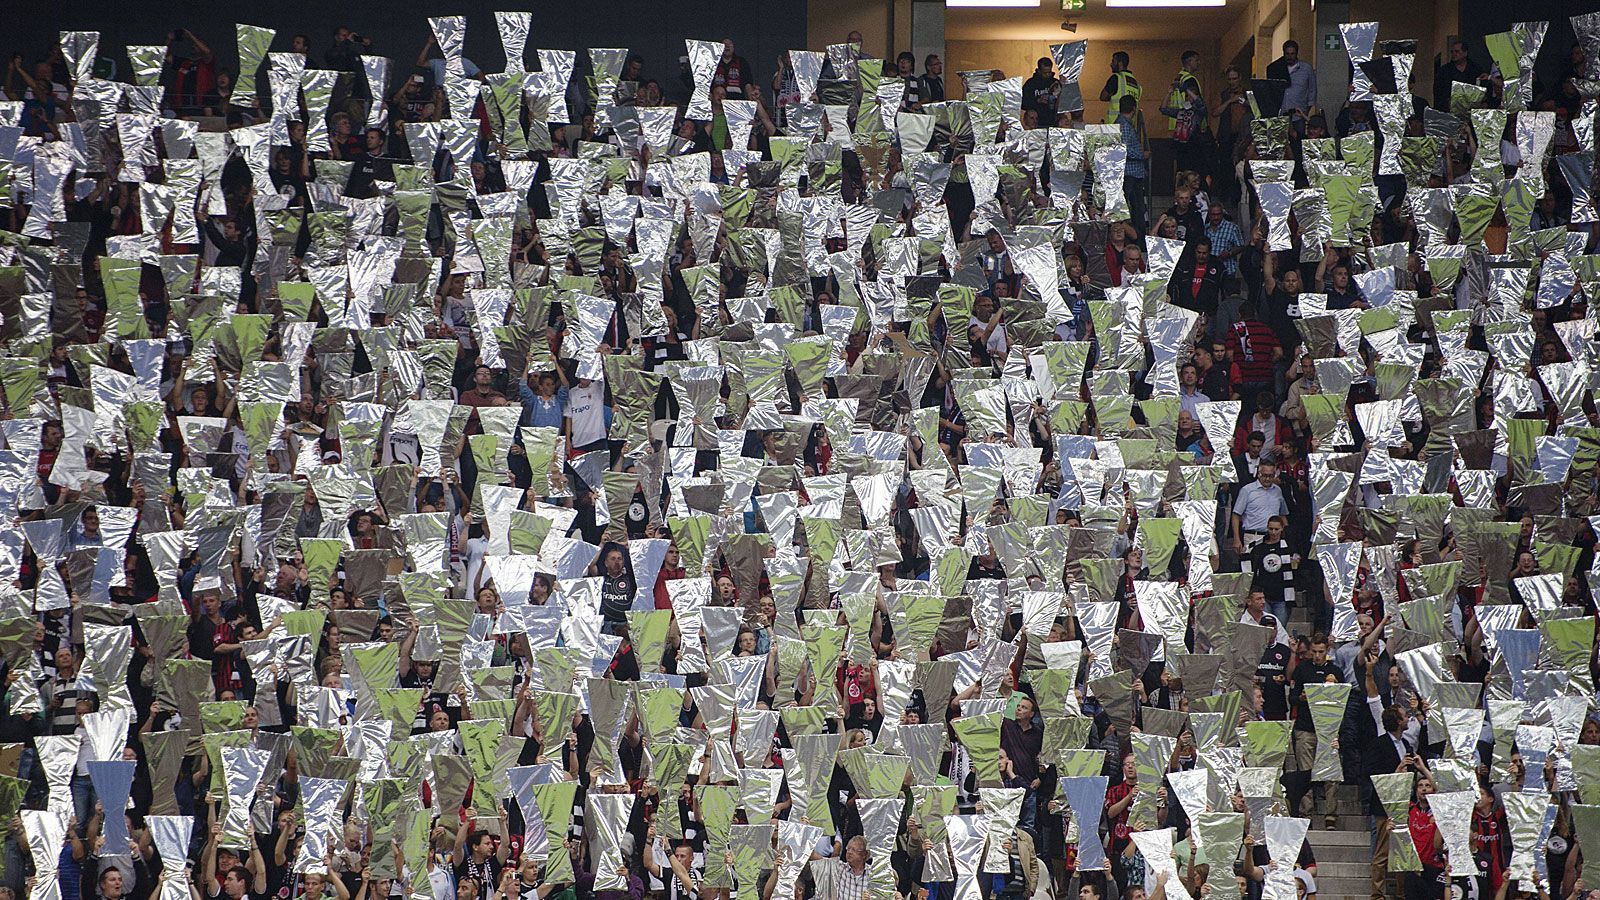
{"points": [[1274, 692], [638, 515], [1310, 673], [1273, 565], [1345, 299], [367, 170], [1281, 312], [431, 701], [616, 597], [1191, 225]]}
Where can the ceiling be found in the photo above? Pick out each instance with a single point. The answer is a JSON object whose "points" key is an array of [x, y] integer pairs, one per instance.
{"points": [[1096, 23]]}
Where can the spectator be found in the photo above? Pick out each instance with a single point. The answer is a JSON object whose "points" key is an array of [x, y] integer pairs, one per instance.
{"points": [[824, 462], [1459, 68], [1121, 84], [931, 90], [1187, 117], [1042, 91], [1136, 172], [733, 73], [1300, 96]]}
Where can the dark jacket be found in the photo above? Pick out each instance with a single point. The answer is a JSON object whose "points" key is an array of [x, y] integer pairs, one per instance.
{"points": [[1184, 292]]}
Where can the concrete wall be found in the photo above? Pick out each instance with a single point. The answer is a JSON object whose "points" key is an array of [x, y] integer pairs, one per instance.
{"points": [[1269, 23], [927, 29], [1153, 63], [829, 21]]}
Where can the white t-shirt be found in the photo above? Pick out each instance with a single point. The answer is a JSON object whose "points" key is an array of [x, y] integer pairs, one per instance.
{"points": [[401, 448], [586, 410], [475, 550], [443, 885], [997, 342]]}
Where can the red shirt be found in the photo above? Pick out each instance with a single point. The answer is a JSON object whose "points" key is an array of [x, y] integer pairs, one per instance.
{"points": [[1119, 826], [1423, 829], [663, 600]]}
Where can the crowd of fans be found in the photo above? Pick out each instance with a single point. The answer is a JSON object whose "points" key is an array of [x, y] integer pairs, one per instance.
{"points": [[565, 481]]}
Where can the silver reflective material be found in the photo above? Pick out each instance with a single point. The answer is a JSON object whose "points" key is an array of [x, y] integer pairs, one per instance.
{"points": [[147, 62], [1086, 798], [253, 44], [1577, 169], [376, 70], [807, 65], [796, 840], [171, 835], [1452, 812], [316, 86], [513, 27], [242, 768], [1276, 198], [607, 815], [450, 32], [966, 849], [58, 754], [45, 830], [1155, 846], [1110, 164], [1359, 40], [1284, 839], [1392, 111], [1002, 806], [1525, 817], [1069, 64], [321, 799], [283, 83], [79, 49], [703, 59]]}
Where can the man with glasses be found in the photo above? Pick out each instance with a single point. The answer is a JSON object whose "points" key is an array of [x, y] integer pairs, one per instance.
{"points": [[1256, 504], [932, 88]]}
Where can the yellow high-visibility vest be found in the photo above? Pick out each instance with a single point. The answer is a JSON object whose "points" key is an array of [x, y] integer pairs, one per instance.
{"points": [[1127, 85], [1178, 99]]}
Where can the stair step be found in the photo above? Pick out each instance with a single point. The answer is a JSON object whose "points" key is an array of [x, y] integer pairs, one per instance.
{"points": [[1348, 869], [1331, 839], [1348, 887], [1343, 856]]}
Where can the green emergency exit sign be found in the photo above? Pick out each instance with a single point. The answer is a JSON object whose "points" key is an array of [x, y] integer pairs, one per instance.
{"points": [[1072, 5]]}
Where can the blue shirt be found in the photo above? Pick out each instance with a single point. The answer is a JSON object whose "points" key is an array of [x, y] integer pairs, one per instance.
{"points": [[438, 68], [1130, 139], [1225, 237], [542, 412], [1301, 93]]}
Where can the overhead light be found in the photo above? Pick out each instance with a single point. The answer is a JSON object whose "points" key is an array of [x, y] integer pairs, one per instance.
{"points": [[1164, 4], [994, 4], [1070, 26]]}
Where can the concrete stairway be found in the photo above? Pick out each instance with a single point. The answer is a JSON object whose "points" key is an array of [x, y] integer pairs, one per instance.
{"points": [[1344, 855], [1344, 859]]}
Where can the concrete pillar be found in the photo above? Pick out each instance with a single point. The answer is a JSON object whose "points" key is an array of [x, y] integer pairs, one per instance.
{"points": [[927, 30], [1333, 66]]}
